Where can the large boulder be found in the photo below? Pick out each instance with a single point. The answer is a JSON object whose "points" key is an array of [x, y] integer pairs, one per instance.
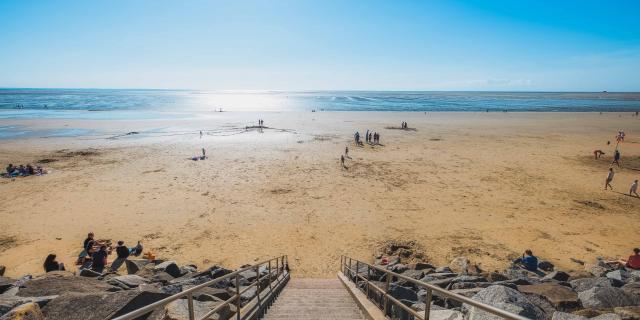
{"points": [[59, 282], [414, 274], [27, 311], [607, 316], [169, 267], [598, 270], [10, 302], [98, 306], [557, 276], [402, 293], [445, 314], [460, 265], [545, 266], [133, 266], [130, 280], [5, 284], [628, 313], [605, 297], [633, 290], [560, 297], [619, 275], [504, 298], [585, 284]]}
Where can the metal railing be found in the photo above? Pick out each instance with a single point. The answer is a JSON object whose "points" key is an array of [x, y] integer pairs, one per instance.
{"points": [[277, 276], [347, 268]]}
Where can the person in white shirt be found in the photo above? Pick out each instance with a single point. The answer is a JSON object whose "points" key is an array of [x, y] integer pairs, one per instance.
{"points": [[634, 188]]}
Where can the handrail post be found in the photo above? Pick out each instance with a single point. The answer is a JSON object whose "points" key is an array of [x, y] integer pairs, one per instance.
{"points": [[357, 269], [190, 306], [258, 284], [368, 279], [427, 307], [277, 267], [386, 292], [270, 288], [238, 300]]}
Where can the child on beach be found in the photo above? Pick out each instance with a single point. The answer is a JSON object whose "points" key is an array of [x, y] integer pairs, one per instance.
{"points": [[609, 179]]}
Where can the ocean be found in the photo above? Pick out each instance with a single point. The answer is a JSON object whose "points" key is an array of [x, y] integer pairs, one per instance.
{"points": [[152, 104]]}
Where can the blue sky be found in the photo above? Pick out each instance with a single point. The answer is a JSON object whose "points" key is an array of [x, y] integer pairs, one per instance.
{"points": [[322, 45]]}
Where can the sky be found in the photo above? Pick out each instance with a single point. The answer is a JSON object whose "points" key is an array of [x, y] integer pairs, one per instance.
{"points": [[321, 45]]}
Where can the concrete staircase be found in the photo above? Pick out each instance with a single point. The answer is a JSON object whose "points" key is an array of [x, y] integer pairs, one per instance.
{"points": [[314, 299]]}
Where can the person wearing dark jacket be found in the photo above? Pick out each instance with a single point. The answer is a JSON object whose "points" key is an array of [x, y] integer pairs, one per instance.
{"points": [[528, 261], [50, 264], [99, 259], [122, 254]]}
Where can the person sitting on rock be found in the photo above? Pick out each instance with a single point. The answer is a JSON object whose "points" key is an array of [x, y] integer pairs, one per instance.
{"points": [[528, 261], [633, 262], [99, 259], [87, 245], [123, 253], [50, 264]]}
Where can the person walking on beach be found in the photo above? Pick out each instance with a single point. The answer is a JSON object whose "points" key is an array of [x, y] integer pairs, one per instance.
{"points": [[204, 155], [634, 188], [342, 160], [616, 158], [346, 151], [609, 179], [366, 136], [200, 134]]}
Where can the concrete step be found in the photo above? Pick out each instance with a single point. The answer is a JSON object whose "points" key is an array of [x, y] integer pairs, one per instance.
{"points": [[314, 299]]}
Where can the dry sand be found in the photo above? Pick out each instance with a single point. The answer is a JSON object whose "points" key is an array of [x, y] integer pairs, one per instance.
{"points": [[483, 185]]}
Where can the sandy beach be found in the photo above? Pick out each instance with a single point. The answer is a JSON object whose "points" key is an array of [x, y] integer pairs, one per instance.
{"points": [[483, 185]]}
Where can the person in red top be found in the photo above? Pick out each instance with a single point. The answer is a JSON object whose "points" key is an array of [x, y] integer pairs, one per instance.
{"points": [[634, 260]]}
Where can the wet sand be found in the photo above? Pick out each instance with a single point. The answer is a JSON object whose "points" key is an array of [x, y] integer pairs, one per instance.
{"points": [[483, 185]]}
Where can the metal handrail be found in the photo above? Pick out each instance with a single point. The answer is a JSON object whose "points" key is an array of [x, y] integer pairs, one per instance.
{"points": [[430, 289], [282, 263]]}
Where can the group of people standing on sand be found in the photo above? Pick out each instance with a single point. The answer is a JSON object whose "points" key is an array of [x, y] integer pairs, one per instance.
{"points": [[23, 171], [260, 122], [633, 189], [372, 137], [94, 255], [404, 125]]}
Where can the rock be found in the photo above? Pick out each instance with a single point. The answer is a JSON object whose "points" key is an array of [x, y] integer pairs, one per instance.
{"points": [[459, 265], [27, 311], [558, 315], [595, 269], [5, 284], [56, 283], [98, 306], [503, 298], [467, 292], [421, 266], [545, 266], [2, 270], [89, 273], [495, 276], [605, 297], [10, 302], [445, 314], [468, 279], [579, 274], [398, 268], [222, 294], [402, 293], [628, 313], [131, 280], [135, 265], [178, 310], [463, 285], [633, 290], [161, 277], [620, 275], [588, 312], [560, 297], [169, 267], [556, 275], [585, 284], [414, 274], [443, 270], [519, 273], [607, 316]]}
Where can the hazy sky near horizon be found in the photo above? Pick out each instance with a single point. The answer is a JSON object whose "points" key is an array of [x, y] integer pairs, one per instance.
{"points": [[322, 45]]}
